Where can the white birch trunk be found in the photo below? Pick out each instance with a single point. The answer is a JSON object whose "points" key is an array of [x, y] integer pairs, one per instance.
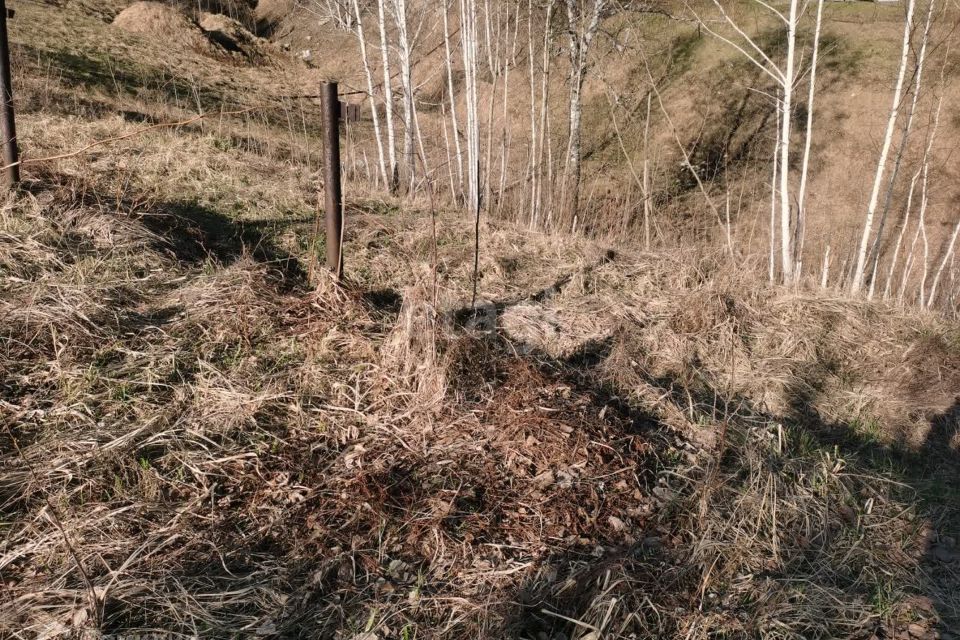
{"points": [[858, 271], [469, 41], [825, 270], [545, 142], [505, 125], [534, 213], [903, 231], [373, 102], [580, 38], [452, 98], [406, 82], [931, 136], [387, 97], [786, 120], [772, 266], [904, 138], [921, 233], [646, 175], [800, 235], [487, 39], [946, 257], [446, 145], [489, 157], [926, 260]]}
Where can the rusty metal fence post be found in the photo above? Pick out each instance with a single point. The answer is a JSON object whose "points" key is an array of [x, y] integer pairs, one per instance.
{"points": [[8, 130], [332, 185]]}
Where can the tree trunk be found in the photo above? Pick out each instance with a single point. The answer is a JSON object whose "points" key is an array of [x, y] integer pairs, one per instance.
{"points": [[772, 266], [387, 98], [580, 37], [943, 264], [786, 121], [452, 98], [858, 272], [800, 234], [373, 103], [406, 82], [899, 244], [545, 142], [905, 136], [534, 213], [468, 30], [646, 176], [931, 136]]}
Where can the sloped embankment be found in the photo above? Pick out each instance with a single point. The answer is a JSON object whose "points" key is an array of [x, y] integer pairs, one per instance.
{"points": [[199, 442]]}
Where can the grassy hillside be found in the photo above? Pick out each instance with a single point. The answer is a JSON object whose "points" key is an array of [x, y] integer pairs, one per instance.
{"points": [[199, 439], [722, 113]]}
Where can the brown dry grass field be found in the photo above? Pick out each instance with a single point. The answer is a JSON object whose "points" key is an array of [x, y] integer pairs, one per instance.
{"points": [[204, 437]]}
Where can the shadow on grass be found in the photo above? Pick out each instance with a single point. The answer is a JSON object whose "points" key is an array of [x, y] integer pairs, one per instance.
{"points": [[191, 231], [117, 76], [563, 604], [335, 579], [103, 73], [196, 233], [568, 582]]}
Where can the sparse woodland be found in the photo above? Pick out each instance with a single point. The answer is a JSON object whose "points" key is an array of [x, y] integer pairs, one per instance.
{"points": [[506, 109], [647, 325]]}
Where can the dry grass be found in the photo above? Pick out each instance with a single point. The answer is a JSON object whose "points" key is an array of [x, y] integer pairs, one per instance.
{"points": [[208, 447], [198, 442], [158, 20]]}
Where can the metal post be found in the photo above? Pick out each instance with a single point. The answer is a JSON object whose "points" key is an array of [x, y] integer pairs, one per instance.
{"points": [[332, 186], [8, 130]]}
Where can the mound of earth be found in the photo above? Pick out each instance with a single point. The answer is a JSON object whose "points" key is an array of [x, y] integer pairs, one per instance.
{"points": [[214, 34], [161, 21], [232, 36]]}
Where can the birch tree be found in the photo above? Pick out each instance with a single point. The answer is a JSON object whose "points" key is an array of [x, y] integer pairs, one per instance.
{"points": [[799, 236], [784, 75], [541, 142], [786, 120], [532, 159], [373, 102], [931, 136], [943, 263], [898, 160], [920, 233], [452, 96], [583, 20], [387, 94], [404, 53], [858, 272], [338, 12], [468, 29]]}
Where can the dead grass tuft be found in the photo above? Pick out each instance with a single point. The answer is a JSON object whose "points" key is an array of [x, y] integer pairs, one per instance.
{"points": [[413, 350]]}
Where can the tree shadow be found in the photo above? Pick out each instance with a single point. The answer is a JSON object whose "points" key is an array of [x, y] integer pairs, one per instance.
{"points": [[196, 233], [484, 316], [931, 473], [567, 580], [551, 604], [113, 75], [572, 573], [565, 583], [192, 232]]}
